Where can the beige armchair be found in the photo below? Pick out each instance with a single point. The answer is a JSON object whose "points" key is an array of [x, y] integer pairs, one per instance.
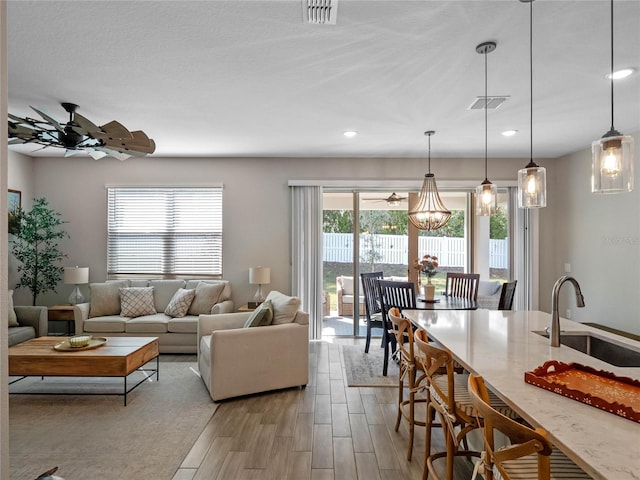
{"points": [[345, 292], [235, 361]]}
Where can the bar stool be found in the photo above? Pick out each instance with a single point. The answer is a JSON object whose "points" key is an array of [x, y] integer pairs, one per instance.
{"points": [[410, 369], [530, 456]]}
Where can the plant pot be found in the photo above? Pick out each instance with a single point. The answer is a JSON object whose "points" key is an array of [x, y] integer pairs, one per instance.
{"points": [[429, 291]]}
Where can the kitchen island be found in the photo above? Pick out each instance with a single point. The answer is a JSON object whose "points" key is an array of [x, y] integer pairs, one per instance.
{"points": [[501, 346]]}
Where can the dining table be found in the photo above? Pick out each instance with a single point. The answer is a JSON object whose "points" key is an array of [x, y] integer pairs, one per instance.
{"points": [[501, 346], [446, 302]]}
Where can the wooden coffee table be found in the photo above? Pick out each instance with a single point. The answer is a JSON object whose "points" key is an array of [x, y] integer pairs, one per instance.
{"points": [[118, 357]]}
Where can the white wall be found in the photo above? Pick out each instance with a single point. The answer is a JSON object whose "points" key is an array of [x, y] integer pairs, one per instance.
{"points": [[599, 236], [256, 201]]}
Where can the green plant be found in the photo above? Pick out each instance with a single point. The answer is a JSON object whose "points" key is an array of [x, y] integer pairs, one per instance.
{"points": [[36, 247]]}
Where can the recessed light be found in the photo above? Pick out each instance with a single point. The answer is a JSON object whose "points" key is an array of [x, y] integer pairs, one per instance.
{"points": [[509, 133], [622, 73], [350, 133]]}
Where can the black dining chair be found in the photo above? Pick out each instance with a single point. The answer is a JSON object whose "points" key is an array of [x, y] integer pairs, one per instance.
{"points": [[507, 295], [393, 294], [372, 303]]}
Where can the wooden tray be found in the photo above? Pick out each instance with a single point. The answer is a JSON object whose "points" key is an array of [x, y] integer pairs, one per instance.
{"points": [[65, 346], [600, 389]]}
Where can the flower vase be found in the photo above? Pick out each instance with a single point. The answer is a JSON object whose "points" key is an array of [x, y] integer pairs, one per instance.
{"points": [[429, 291]]}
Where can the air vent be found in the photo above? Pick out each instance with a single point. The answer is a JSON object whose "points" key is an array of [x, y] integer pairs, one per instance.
{"points": [[492, 102], [321, 12]]}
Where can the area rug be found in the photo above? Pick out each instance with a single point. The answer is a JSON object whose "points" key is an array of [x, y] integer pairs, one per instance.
{"points": [[365, 369], [97, 437]]}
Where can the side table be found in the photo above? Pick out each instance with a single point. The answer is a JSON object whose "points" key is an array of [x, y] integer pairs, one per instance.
{"points": [[63, 313], [245, 308]]}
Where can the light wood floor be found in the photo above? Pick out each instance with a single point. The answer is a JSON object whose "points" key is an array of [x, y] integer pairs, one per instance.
{"points": [[326, 431]]}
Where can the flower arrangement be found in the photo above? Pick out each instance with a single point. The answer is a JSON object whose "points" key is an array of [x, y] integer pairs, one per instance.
{"points": [[428, 265]]}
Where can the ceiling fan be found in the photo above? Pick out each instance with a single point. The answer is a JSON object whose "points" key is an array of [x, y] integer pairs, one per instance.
{"points": [[80, 135], [392, 200]]}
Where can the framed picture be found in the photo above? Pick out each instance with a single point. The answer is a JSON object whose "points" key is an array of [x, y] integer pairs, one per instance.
{"points": [[14, 203]]}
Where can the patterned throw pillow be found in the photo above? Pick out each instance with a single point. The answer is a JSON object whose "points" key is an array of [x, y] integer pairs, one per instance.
{"points": [[180, 302], [261, 316], [13, 319], [136, 301]]}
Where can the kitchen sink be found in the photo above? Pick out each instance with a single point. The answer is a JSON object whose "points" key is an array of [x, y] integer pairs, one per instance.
{"points": [[600, 348]]}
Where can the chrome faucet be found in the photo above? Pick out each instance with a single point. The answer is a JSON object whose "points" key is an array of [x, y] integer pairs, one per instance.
{"points": [[555, 316]]}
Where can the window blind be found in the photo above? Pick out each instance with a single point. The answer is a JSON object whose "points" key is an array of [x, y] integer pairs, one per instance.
{"points": [[164, 231]]}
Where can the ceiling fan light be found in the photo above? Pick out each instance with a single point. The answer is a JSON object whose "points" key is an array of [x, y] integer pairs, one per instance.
{"points": [[612, 164], [532, 186]]}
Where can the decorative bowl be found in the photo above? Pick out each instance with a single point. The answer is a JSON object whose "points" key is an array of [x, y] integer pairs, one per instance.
{"points": [[81, 341]]}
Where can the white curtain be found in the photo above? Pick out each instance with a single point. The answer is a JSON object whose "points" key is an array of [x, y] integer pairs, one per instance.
{"points": [[306, 252]]}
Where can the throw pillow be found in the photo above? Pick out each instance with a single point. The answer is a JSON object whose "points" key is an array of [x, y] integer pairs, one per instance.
{"points": [[137, 301], [261, 316], [207, 295], [284, 307], [105, 298], [13, 319], [180, 302]]}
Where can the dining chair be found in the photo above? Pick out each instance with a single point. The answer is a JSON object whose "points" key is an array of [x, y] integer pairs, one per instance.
{"points": [[530, 454], [462, 285], [393, 294], [411, 371], [372, 303], [507, 295]]}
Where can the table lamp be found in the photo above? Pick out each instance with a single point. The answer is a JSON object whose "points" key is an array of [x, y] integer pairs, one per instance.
{"points": [[76, 276], [259, 276]]}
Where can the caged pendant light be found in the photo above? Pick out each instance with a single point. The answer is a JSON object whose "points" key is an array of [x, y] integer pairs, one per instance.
{"points": [[429, 213], [612, 155], [486, 192], [532, 179]]}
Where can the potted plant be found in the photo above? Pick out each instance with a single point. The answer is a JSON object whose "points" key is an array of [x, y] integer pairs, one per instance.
{"points": [[36, 246]]}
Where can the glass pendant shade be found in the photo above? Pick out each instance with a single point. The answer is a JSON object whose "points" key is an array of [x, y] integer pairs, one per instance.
{"points": [[486, 199], [429, 213], [532, 186], [612, 166]]}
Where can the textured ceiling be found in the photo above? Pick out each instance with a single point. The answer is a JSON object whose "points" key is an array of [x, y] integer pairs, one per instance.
{"points": [[250, 78]]}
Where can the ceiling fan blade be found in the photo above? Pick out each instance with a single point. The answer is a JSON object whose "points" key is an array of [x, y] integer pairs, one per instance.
{"points": [[17, 141], [21, 131], [113, 153], [26, 120], [50, 120], [83, 126], [140, 144], [96, 154], [113, 130]]}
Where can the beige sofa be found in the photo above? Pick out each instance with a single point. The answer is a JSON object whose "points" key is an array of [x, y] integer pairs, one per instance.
{"points": [[235, 360], [32, 323], [101, 316]]}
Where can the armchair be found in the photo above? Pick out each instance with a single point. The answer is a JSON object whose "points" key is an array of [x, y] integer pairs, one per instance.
{"points": [[235, 361], [345, 293]]}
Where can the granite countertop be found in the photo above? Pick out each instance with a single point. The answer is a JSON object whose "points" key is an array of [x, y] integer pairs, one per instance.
{"points": [[501, 346]]}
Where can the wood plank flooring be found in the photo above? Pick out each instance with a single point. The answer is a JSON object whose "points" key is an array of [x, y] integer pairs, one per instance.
{"points": [[326, 431]]}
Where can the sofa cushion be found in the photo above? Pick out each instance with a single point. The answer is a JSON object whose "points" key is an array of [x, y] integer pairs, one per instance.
{"points": [[488, 288], [188, 324], [206, 297], [105, 324], [347, 285], [13, 319], [226, 292], [284, 307], [164, 291], [136, 301], [180, 303], [148, 324], [21, 334], [261, 316], [105, 298]]}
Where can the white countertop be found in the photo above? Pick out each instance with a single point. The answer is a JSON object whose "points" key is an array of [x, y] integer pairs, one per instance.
{"points": [[500, 346]]}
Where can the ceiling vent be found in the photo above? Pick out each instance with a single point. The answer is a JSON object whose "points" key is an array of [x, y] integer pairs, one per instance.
{"points": [[492, 102], [320, 11]]}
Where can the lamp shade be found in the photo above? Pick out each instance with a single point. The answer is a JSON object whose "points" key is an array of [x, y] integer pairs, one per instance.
{"points": [[259, 275], [76, 275]]}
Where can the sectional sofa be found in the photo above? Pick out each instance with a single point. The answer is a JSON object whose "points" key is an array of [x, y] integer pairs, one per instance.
{"points": [[167, 309]]}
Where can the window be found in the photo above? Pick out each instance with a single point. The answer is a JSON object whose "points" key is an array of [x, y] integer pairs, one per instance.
{"points": [[164, 231]]}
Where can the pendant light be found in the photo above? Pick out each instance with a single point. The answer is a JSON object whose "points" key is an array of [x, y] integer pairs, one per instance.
{"points": [[429, 213], [532, 179], [612, 155], [486, 192]]}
